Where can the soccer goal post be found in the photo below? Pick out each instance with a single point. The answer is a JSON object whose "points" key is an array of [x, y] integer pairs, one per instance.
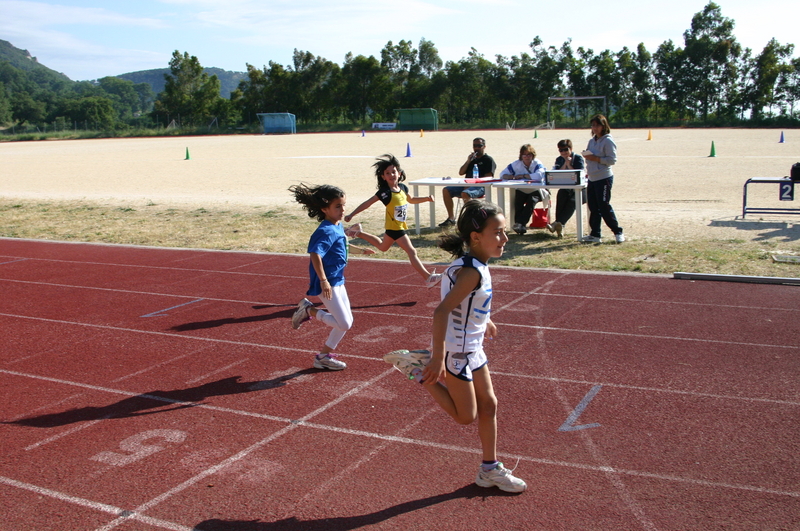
{"points": [[412, 119], [277, 122], [576, 98]]}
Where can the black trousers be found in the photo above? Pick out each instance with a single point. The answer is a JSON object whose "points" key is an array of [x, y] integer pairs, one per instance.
{"points": [[524, 203], [599, 199]]}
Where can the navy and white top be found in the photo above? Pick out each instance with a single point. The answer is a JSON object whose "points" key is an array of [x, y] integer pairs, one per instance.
{"points": [[536, 171], [330, 243], [467, 323]]}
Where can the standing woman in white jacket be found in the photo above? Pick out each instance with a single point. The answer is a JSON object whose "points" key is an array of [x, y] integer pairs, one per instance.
{"points": [[600, 155]]}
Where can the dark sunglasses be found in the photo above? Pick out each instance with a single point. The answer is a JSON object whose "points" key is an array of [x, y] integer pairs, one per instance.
{"points": [[563, 150]]}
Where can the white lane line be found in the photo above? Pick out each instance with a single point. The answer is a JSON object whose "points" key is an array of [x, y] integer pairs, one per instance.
{"points": [[129, 394], [697, 394], [97, 506], [304, 422], [160, 313], [247, 451], [136, 292], [521, 294], [212, 373], [157, 365], [426, 317], [550, 462], [652, 336], [65, 433]]}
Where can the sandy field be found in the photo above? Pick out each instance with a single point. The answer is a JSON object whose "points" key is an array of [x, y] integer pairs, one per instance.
{"points": [[667, 186]]}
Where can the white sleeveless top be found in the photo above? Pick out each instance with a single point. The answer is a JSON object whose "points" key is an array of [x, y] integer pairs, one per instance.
{"points": [[466, 324]]}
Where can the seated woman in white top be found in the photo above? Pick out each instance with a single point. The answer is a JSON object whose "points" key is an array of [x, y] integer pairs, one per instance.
{"points": [[527, 168]]}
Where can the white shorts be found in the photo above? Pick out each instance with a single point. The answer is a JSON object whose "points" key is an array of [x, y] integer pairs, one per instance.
{"points": [[463, 364]]}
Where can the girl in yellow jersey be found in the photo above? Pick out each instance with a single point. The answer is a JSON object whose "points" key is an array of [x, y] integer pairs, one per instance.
{"points": [[396, 198]]}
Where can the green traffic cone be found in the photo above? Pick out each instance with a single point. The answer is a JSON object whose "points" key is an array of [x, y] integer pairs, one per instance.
{"points": [[535, 133], [187, 154], [713, 151]]}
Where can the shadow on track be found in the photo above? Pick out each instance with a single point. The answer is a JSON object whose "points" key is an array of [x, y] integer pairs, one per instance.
{"points": [[346, 523], [154, 401]]}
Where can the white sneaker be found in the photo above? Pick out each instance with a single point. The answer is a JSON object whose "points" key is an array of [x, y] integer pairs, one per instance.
{"points": [[433, 279], [591, 239], [329, 361], [353, 230], [302, 313], [501, 478], [619, 237], [409, 362]]}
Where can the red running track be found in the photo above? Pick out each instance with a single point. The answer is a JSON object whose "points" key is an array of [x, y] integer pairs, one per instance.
{"points": [[148, 389]]}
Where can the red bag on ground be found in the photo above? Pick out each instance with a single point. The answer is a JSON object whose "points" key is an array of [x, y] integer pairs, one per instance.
{"points": [[540, 219]]}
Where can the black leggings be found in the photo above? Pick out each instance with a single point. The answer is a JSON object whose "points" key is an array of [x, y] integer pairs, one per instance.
{"points": [[599, 199]]}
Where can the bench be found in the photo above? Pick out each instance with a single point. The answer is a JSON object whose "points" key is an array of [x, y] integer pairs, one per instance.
{"points": [[785, 193]]}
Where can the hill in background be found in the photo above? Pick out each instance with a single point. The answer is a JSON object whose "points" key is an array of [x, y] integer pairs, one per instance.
{"points": [[24, 61], [155, 78]]}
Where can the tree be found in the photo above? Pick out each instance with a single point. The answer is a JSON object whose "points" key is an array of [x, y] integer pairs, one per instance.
{"points": [[670, 84], [366, 88], [316, 82], [189, 94], [789, 85], [467, 97], [769, 65], [121, 92], [5, 105], [710, 50], [429, 61], [97, 111], [25, 109]]}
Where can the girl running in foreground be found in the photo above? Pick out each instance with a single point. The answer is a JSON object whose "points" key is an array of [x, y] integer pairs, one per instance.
{"points": [[396, 197], [328, 250], [460, 323]]}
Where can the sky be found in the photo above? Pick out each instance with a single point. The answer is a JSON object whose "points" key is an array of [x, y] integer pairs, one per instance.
{"points": [[91, 39]]}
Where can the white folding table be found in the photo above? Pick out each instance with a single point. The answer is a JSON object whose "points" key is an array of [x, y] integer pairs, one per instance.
{"points": [[433, 182], [502, 186]]}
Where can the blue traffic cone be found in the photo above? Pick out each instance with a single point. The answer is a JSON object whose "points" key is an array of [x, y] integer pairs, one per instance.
{"points": [[363, 133], [408, 149], [781, 141]]}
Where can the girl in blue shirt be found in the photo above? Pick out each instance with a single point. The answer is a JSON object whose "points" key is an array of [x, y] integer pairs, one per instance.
{"points": [[328, 250]]}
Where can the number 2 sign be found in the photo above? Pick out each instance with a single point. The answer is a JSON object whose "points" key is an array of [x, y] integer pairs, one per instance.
{"points": [[787, 191]]}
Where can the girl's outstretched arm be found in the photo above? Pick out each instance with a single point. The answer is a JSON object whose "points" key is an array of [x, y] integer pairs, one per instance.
{"points": [[363, 250], [361, 208], [417, 200]]}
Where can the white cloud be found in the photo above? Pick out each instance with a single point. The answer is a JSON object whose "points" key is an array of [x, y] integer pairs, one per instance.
{"points": [[42, 15]]}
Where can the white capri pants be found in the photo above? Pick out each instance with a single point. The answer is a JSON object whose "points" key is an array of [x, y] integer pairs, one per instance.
{"points": [[338, 315]]}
